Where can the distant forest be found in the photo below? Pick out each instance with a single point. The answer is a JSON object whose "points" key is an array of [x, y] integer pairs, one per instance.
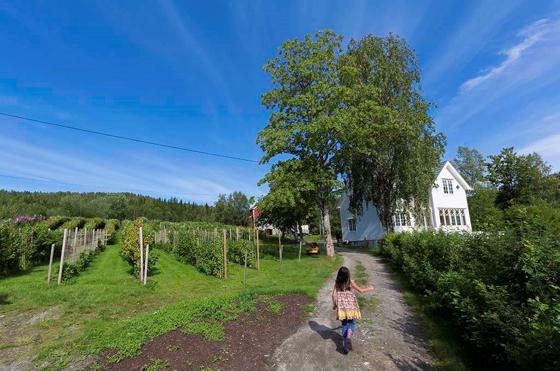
{"points": [[105, 205]]}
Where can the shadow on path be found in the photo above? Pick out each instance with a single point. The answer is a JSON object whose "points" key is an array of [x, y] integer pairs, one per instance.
{"points": [[328, 333]]}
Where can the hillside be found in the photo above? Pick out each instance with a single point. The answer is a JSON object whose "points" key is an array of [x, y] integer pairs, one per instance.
{"points": [[100, 204]]}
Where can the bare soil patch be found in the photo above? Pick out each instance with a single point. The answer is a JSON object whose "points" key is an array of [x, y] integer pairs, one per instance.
{"points": [[249, 342]]}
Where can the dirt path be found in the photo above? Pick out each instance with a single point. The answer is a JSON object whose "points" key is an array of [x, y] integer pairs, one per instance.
{"points": [[387, 337]]}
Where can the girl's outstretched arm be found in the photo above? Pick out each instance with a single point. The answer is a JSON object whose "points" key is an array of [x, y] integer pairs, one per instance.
{"points": [[361, 290]]}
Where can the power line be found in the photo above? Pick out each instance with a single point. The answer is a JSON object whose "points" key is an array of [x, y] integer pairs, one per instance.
{"points": [[121, 137]]}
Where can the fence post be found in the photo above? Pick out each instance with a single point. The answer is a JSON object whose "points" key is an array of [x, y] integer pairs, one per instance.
{"points": [[245, 272], [64, 242], [280, 246], [85, 239], [258, 250], [300, 243], [237, 233], [50, 264], [146, 267], [141, 240], [225, 255]]}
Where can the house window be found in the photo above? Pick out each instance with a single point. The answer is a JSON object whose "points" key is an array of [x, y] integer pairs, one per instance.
{"points": [[449, 217], [447, 186], [352, 225], [401, 219]]}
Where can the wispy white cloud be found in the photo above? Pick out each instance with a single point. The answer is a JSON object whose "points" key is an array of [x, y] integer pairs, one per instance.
{"points": [[147, 174], [531, 36], [548, 148], [472, 34], [531, 66]]}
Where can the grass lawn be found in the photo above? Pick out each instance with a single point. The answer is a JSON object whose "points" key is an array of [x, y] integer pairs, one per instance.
{"points": [[105, 307]]}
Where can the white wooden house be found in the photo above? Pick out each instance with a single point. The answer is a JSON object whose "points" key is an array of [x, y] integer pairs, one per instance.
{"points": [[447, 210]]}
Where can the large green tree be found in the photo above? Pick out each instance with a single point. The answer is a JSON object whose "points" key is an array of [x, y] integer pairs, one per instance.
{"points": [[304, 124], [520, 179], [233, 209], [289, 202], [389, 147], [471, 165]]}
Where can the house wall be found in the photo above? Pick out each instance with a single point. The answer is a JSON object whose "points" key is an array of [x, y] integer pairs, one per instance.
{"points": [[368, 226], [457, 200]]}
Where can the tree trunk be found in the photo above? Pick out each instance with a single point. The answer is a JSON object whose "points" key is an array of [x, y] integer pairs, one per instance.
{"points": [[327, 230]]}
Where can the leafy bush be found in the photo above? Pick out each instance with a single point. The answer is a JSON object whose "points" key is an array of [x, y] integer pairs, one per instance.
{"points": [[131, 244], [22, 246], [501, 288], [203, 251], [236, 252]]}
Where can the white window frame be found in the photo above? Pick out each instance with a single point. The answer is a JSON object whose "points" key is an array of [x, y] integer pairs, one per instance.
{"points": [[452, 217], [401, 219], [447, 186], [352, 224]]}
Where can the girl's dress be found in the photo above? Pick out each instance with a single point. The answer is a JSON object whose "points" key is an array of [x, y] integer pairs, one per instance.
{"points": [[347, 306]]}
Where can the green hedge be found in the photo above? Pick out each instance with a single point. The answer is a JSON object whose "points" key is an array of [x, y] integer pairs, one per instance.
{"points": [[205, 252], [501, 289]]}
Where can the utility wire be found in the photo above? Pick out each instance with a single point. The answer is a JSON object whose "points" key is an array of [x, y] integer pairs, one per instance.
{"points": [[30, 120]]}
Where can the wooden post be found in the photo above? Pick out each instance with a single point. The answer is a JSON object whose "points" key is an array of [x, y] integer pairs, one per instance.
{"points": [[85, 239], [300, 243], [141, 240], [225, 255], [146, 267], [245, 272], [75, 245], [92, 238], [258, 251], [280, 246], [50, 264], [64, 241], [237, 233]]}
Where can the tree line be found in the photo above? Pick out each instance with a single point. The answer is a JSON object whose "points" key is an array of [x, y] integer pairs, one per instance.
{"points": [[504, 181], [228, 209]]}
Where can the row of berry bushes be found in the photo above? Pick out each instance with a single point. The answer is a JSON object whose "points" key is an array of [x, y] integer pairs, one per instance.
{"points": [[24, 245], [501, 289], [130, 246], [83, 262], [26, 241], [201, 245]]}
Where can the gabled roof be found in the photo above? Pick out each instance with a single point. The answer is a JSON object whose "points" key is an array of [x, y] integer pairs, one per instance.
{"points": [[455, 173]]}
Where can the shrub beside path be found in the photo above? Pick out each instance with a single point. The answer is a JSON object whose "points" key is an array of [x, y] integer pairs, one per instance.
{"points": [[387, 337]]}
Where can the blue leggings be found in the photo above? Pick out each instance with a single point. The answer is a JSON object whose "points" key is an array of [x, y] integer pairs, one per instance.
{"points": [[348, 323]]}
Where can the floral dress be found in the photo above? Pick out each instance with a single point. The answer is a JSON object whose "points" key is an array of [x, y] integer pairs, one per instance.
{"points": [[347, 306]]}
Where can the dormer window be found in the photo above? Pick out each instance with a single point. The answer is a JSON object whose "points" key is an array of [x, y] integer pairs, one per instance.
{"points": [[447, 186]]}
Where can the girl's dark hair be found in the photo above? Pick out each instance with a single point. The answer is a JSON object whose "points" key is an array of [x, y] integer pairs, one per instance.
{"points": [[343, 282]]}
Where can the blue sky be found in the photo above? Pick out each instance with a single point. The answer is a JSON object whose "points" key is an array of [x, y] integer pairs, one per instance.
{"points": [[190, 74]]}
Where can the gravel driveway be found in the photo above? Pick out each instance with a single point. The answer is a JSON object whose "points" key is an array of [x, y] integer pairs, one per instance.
{"points": [[387, 338]]}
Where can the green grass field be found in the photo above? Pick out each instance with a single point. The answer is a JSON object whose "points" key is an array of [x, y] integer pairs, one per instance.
{"points": [[105, 307]]}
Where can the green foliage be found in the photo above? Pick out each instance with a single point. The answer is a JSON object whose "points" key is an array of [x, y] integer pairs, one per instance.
{"points": [[518, 178], [232, 209], [290, 201], [23, 246], [502, 289], [470, 163], [104, 205], [200, 248], [83, 262], [389, 148], [483, 211], [131, 244], [303, 122], [237, 249]]}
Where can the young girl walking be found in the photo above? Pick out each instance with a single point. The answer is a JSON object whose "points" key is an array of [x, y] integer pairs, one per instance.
{"points": [[346, 305]]}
